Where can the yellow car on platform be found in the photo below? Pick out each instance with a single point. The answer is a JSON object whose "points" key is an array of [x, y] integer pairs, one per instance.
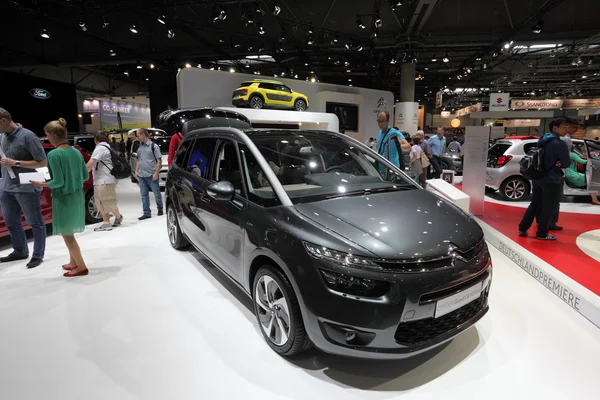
{"points": [[268, 94]]}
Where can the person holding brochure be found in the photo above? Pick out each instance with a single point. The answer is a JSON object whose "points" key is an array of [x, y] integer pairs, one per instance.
{"points": [[68, 172], [22, 153]]}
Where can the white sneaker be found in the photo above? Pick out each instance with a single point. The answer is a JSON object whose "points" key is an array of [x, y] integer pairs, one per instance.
{"points": [[103, 227]]}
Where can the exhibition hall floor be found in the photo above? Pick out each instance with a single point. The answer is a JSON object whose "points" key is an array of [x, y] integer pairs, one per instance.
{"points": [[153, 323]]}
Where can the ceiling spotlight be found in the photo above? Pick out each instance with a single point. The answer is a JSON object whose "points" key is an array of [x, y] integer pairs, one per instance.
{"points": [[147, 78], [276, 8], [378, 22], [334, 40], [257, 8], [82, 25], [162, 18], [584, 76], [313, 79], [112, 53], [508, 45], [126, 72], [232, 70], [221, 16], [310, 28], [188, 65], [133, 28], [393, 61], [170, 33], [310, 41], [45, 34], [395, 4], [105, 22], [261, 29], [152, 66], [359, 48], [434, 58], [446, 59], [360, 23], [139, 65], [538, 27]]}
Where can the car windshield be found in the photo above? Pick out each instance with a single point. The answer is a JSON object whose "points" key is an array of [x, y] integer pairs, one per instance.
{"points": [[313, 166], [498, 149]]}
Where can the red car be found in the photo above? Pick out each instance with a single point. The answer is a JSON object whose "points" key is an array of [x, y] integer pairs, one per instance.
{"points": [[91, 212]]}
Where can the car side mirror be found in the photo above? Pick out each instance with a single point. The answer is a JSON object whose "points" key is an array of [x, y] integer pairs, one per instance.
{"points": [[222, 191]]}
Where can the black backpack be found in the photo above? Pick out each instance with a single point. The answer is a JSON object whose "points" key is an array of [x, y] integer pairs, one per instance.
{"points": [[121, 168], [532, 165]]}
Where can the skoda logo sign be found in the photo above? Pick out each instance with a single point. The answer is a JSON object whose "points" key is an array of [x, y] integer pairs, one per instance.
{"points": [[40, 94]]}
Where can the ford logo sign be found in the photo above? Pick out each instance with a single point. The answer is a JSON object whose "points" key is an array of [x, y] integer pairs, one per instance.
{"points": [[40, 94]]}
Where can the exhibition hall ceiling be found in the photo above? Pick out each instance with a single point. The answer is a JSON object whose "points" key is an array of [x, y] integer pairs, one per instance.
{"points": [[532, 48]]}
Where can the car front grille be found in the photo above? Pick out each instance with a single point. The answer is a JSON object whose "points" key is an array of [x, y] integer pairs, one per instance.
{"points": [[424, 330], [473, 251]]}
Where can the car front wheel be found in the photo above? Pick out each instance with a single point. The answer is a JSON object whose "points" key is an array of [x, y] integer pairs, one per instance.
{"points": [[300, 105], [278, 312], [256, 102], [176, 238], [514, 189], [92, 215]]}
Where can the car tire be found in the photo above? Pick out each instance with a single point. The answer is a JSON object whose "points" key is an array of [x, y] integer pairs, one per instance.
{"points": [[256, 102], [300, 105], [92, 215], [445, 165], [178, 242], [514, 189], [278, 312]]}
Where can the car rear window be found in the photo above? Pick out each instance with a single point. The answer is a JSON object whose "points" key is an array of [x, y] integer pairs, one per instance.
{"points": [[499, 149], [245, 84]]}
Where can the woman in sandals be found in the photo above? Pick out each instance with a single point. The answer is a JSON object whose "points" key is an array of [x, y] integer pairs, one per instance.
{"points": [[68, 172]]}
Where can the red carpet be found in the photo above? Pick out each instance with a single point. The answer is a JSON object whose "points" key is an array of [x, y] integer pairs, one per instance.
{"points": [[564, 254]]}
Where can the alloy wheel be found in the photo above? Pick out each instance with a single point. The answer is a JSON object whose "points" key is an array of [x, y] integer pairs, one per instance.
{"points": [[515, 189], [273, 310], [256, 102], [172, 226], [92, 209], [300, 105]]}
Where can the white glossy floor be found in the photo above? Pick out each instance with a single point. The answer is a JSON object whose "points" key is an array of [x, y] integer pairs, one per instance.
{"points": [[153, 323]]}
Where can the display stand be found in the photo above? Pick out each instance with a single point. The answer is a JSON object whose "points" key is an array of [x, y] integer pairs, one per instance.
{"points": [[447, 191], [475, 164]]}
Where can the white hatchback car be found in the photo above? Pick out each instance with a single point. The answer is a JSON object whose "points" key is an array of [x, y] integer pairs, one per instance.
{"points": [[503, 170]]}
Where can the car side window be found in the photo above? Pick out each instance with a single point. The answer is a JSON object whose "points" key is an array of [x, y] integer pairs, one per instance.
{"points": [[181, 154], [593, 150], [268, 86], [228, 166], [135, 146], [258, 187], [529, 146], [200, 157], [284, 88]]}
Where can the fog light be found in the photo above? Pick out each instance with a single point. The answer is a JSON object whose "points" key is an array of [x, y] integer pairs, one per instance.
{"points": [[354, 285]]}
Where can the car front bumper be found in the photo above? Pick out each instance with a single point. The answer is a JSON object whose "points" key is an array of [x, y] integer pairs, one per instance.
{"points": [[402, 322]]}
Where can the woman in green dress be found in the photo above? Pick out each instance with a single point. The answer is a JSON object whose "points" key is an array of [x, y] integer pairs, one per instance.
{"points": [[577, 179], [68, 172]]}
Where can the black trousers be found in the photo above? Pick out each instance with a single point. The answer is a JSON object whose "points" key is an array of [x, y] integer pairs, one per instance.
{"points": [[543, 203], [556, 209], [436, 163]]}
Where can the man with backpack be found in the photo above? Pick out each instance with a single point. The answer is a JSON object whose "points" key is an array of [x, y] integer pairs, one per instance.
{"points": [[105, 183], [149, 164], [553, 155], [390, 142]]}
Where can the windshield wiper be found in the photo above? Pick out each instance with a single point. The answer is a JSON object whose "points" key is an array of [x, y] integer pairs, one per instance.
{"points": [[366, 192]]}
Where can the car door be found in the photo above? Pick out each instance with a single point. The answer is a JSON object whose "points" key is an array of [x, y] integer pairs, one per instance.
{"points": [[593, 166], [224, 220], [191, 189], [284, 95], [273, 97]]}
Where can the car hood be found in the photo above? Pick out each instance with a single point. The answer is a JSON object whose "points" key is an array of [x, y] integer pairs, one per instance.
{"points": [[396, 225]]}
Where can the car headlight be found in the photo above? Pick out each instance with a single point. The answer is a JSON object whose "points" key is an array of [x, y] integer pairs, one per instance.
{"points": [[340, 258]]}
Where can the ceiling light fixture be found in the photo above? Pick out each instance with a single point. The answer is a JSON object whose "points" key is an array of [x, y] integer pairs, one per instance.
{"points": [[152, 66], [126, 72], [162, 18], [360, 23], [538, 28], [188, 65], [112, 53], [378, 22], [105, 22], [82, 25], [170, 33], [45, 34], [232, 70], [260, 28], [139, 65], [276, 8], [334, 40], [446, 59], [434, 58], [133, 28]]}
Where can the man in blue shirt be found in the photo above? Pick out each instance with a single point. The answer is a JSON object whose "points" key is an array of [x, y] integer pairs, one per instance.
{"points": [[438, 145], [546, 191], [389, 140], [149, 164]]}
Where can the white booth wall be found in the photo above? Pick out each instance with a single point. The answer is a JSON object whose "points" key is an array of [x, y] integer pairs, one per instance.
{"points": [[205, 88]]}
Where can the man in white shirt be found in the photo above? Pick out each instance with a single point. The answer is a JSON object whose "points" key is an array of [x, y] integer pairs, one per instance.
{"points": [[371, 143], [105, 184]]}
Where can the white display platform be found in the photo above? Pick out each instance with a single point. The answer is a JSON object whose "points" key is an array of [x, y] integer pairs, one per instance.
{"points": [[449, 192], [306, 119], [575, 295], [153, 323]]}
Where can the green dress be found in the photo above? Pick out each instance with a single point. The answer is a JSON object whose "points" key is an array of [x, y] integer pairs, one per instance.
{"points": [[68, 172], [575, 178]]}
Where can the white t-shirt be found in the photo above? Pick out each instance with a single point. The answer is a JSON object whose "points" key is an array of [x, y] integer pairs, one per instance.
{"points": [[416, 149], [101, 171]]}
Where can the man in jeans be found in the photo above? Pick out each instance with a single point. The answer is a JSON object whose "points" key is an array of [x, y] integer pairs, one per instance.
{"points": [[546, 191], [146, 171], [438, 145], [23, 153], [105, 184]]}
